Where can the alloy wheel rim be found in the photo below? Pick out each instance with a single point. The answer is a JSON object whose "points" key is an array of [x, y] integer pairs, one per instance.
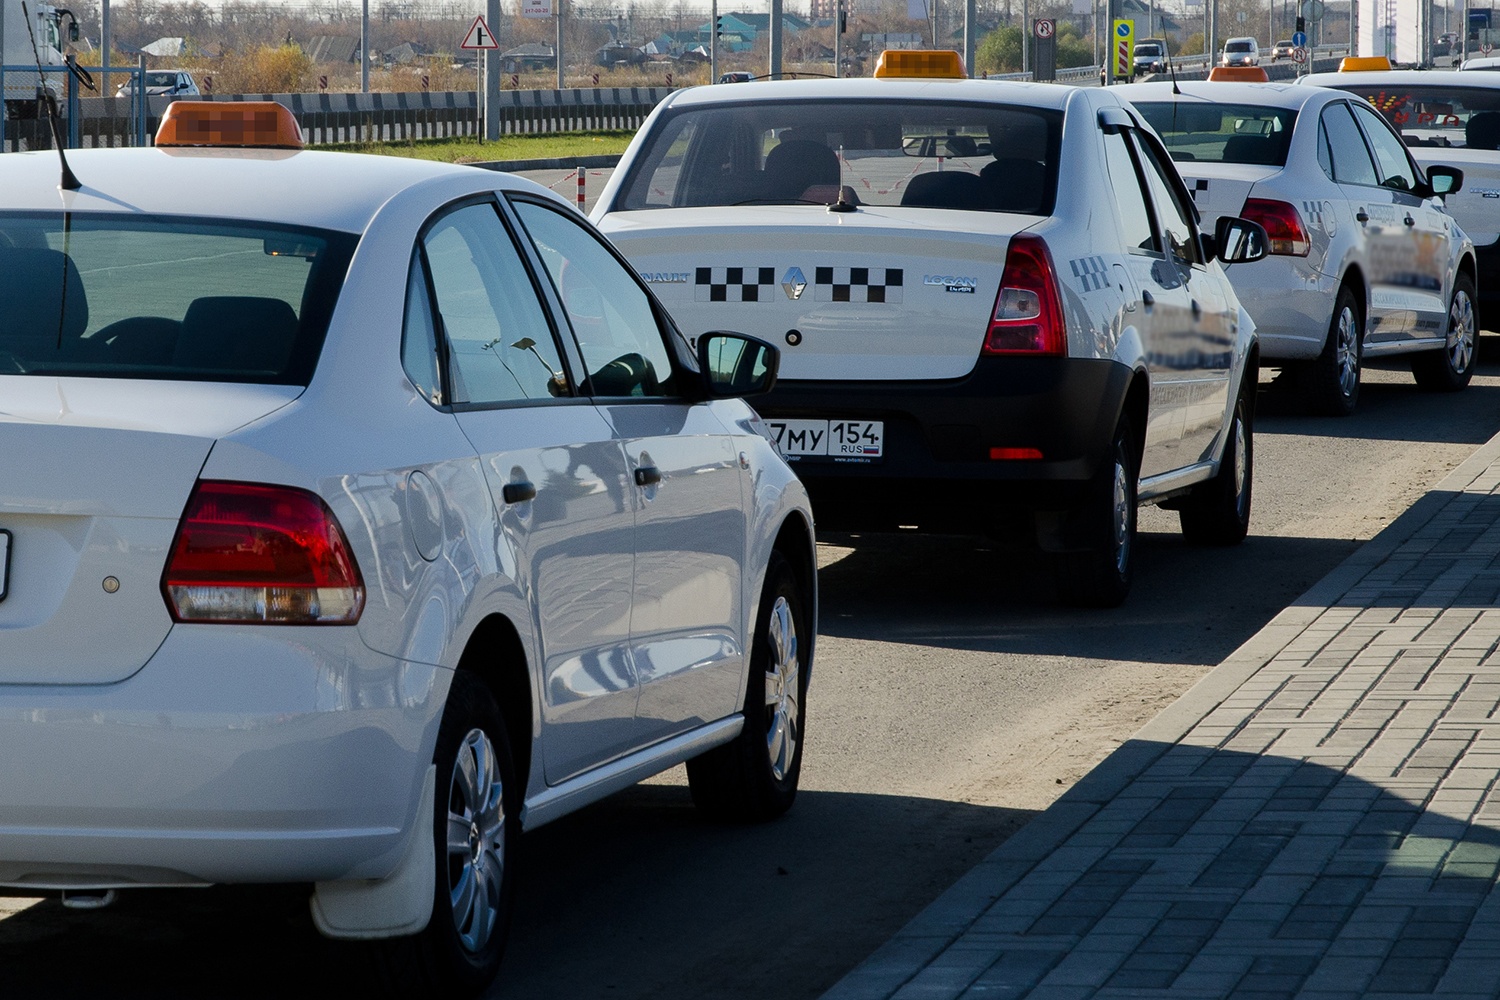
{"points": [[783, 690], [1241, 467], [1461, 332], [1348, 352], [476, 841], [1122, 512]]}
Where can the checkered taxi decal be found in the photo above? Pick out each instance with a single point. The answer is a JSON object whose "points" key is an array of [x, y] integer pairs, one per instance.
{"points": [[857, 284], [734, 284]]}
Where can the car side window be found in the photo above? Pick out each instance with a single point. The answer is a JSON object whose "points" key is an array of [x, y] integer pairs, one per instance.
{"points": [[1325, 155], [1175, 218], [612, 317], [1351, 157], [419, 354], [1130, 199], [1395, 166], [500, 344]]}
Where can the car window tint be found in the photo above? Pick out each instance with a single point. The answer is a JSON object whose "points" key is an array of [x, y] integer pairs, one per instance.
{"points": [[419, 335], [611, 315], [1130, 200], [161, 297], [1325, 155], [1395, 166], [910, 153], [500, 344], [1221, 133], [1174, 217], [1351, 157], [1437, 114]]}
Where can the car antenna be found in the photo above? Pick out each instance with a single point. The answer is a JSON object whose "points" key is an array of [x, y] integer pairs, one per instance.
{"points": [[1172, 72], [69, 181], [843, 204]]}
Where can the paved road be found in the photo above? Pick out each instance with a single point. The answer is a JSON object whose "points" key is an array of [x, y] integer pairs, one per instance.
{"points": [[952, 701]]}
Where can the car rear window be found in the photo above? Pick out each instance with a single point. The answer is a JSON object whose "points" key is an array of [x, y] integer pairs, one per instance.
{"points": [[1437, 115], [1222, 133], [130, 296], [980, 157]]}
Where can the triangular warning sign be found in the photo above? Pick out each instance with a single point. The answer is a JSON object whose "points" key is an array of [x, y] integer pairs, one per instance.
{"points": [[480, 36]]}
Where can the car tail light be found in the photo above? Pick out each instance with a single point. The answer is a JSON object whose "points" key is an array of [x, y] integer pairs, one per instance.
{"points": [[1283, 224], [265, 555], [1028, 317]]}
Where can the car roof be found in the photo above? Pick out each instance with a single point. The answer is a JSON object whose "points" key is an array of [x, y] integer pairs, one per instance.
{"points": [[1039, 95], [327, 190], [1401, 77], [1271, 95]]}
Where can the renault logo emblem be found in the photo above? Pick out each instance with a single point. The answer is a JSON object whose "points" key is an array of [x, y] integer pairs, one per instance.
{"points": [[793, 283]]}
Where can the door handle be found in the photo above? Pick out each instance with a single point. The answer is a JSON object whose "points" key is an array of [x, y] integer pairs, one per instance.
{"points": [[1362, 216], [1410, 221], [647, 475], [1148, 299], [518, 492]]}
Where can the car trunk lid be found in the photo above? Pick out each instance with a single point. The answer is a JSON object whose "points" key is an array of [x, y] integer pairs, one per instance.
{"points": [[97, 474]]}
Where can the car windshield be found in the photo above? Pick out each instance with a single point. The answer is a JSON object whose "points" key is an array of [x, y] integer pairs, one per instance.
{"points": [[161, 79], [1438, 115], [1148, 50], [129, 296], [981, 157], [1238, 47], [1221, 133]]}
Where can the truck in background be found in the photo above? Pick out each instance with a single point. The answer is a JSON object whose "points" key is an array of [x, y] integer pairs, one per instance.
{"points": [[23, 85]]}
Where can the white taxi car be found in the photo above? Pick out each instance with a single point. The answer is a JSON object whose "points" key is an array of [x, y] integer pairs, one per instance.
{"points": [[1365, 260], [356, 514], [994, 303], [1447, 119]]}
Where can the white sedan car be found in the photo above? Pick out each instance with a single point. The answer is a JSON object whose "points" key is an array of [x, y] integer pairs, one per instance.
{"points": [[996, 310], [1365, 261], [354, 522]]}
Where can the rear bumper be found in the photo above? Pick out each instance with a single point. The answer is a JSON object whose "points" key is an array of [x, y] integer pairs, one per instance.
{"points": [[237, 754], [937, 472]]}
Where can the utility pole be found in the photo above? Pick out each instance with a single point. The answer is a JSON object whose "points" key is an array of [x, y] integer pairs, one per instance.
{"points": [[364, 47], [970, 16], [557, 51], [713, 41], [776, 28], [838, 39], [491, 58]]}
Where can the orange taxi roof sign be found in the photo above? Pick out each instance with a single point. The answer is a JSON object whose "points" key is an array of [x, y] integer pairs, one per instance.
{"points": [[1238, 74], [931, 64], [1357, 64], [237, 124]]}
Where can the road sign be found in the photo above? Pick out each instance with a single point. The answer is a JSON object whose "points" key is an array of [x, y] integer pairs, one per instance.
{"points": [[480, 36], [1299, 39], [1044, 27], [1314, 10], [1486, 48], [1124, 38], [1299, 54], [536, 8]]}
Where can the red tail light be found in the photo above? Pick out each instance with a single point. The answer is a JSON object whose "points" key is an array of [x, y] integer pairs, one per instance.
{"points": [[1283, 223], [1028, 317], [263, 555]]}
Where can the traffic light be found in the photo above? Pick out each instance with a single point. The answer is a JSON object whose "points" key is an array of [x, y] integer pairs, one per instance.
{"points": [[843, 20], [719, 27]]}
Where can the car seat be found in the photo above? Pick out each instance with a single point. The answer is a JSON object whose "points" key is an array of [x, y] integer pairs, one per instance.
{"points": [[237, 333], [43, 308], [1483, 130], [947, 189], [795, 165], [1016, 185]]}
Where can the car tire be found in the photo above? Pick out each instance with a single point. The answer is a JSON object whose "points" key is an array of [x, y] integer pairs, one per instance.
{"points": [[754, 777], [1331, 385], [1451, 368], [1099, 576], [459, 952], [1218, 512]]}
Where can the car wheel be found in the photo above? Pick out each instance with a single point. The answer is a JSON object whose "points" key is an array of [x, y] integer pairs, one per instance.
{"points": [[1218, 512], [1100, 575], [475, 831], [1332, 386], [1451, 368], [755, 776]]}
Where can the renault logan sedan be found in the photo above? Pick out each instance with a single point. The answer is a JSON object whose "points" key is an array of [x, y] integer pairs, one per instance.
{"points": [[358, 513], [1365, 260], [995, 308]]}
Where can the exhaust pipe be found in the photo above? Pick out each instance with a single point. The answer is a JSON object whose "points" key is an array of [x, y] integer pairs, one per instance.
{"points": [[88, 899]]}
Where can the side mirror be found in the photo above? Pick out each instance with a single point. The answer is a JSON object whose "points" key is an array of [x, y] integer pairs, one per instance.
{"points": [[735, 365], [1239, 241], [1443, 179], [73, 31]]}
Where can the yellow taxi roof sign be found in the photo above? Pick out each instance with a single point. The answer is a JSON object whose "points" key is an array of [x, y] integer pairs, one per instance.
{"points": [[930, 64], [237, 124], [1238, 74], [1357, 64]]}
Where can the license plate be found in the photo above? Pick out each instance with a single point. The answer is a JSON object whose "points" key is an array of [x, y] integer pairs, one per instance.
{"points": [[4, 563], [830, 440]]}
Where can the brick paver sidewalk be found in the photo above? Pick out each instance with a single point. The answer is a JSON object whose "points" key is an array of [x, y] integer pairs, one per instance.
{"points": [[1317, 818]]}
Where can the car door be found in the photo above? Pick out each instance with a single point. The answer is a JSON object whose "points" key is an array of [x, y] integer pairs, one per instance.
{"points": [[688, 497], [1158, 312], [1422, 229], [555, 471], [1204, 340], [1371, 213]]}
